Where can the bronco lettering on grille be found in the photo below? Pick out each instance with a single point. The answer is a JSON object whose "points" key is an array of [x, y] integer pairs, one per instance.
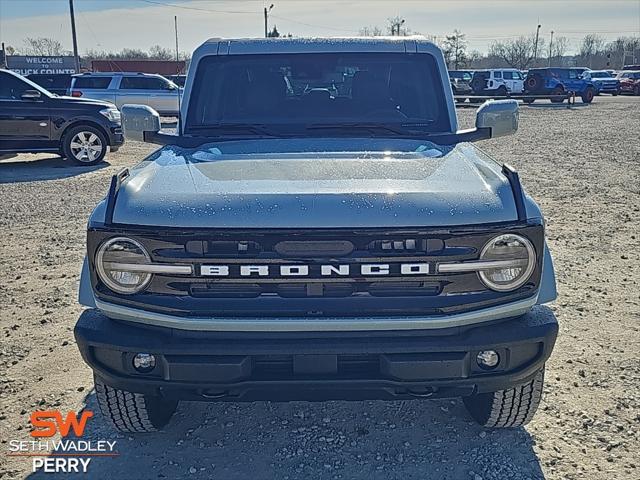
{"points": [[316, 270]]}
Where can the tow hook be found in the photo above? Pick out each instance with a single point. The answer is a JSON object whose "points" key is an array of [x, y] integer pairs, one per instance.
{"points": [[422, 394], [214, 395]]}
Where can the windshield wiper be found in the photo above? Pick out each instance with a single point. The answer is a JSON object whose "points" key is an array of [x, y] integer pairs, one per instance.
{"points": [[397, 129], [225, 129]]}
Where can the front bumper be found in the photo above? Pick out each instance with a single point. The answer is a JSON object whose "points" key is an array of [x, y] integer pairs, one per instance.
{"points": [[249, 366], [608, 88], [116, 136]]}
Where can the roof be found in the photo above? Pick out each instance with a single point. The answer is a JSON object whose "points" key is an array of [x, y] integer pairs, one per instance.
{"points": [[219, 46]]}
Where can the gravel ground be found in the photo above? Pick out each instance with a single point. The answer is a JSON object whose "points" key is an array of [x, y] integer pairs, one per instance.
{"points": [[581, 164]]}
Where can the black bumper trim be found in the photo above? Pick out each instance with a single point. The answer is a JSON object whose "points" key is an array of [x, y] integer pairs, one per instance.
{"points": [[213, 366]]}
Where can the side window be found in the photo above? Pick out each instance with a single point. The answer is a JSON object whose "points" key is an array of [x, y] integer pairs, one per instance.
{"points": [[12, 88], [143, 83], [92, 82], [507, 75], [497, 74], [573, 74]]}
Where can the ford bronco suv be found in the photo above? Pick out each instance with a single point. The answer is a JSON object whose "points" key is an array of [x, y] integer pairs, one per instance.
{"points": [[298, 242], [557, 83]]}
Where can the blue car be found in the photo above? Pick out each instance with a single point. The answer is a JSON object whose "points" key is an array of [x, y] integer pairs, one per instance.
{"points": [[603, 81], [557, 83]]}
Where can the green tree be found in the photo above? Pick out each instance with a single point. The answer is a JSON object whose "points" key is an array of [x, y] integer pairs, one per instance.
{"points": [[455, 49]]}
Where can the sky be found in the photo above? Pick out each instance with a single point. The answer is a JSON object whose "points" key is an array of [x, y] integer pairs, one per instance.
{"points": [[116, 24]]}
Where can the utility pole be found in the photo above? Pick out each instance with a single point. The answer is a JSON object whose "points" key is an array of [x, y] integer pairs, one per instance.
{"points": [[550, 45], [266, 20], [175, 26], [535, 48], [75, 39]]}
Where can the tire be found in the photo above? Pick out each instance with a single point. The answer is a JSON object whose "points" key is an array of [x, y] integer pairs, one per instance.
{"points": [[528, 100], [561, 95], [514, 407], [502, 92], [84, 145], [615, 94], [534, 83], [636, 90], [133, 412], [478, 84], [587, 96]]}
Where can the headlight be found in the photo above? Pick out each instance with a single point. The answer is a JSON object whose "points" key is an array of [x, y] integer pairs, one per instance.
{"points": [[515, 261], [116, 261], [112, 114]]}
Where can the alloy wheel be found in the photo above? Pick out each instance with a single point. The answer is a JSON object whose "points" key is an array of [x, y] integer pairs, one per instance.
{"points": [[86, 146]]}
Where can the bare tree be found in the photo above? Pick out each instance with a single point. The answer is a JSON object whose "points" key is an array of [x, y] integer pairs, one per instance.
{"points": [[557, 49], [373, 31], [591, 46], [518, 52], [157, 52], [455, 49], [43, 46]]}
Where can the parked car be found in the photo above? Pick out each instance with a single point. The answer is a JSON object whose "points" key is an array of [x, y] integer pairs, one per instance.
{"points": [[460, 83], [603, 81], [33, 120], [152, 90], [57, 83], [179, 80], [558, 82], [497, 82], [629, 82], [291, 244]]}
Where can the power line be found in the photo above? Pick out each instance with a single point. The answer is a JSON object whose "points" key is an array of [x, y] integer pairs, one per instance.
{"points": [[313, 25], [246, 12], [208, 10]]}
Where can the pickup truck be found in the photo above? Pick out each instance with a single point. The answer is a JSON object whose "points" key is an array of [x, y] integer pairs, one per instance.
{"points": [[152, 90], [297, 242]]}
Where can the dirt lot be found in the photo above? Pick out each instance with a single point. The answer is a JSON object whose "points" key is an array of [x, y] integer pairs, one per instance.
{"points": [[582, 165]]}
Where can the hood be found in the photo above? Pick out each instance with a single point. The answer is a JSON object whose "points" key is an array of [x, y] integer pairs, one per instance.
{"points": [[71, 101], [207, 189]]}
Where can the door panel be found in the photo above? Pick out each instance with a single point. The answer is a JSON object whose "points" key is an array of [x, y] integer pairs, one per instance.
{"points": [[24, 124], [151, 91]]}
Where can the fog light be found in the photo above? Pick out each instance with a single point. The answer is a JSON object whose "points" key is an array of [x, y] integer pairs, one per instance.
{"points": [[144, 362], [488, 359]]}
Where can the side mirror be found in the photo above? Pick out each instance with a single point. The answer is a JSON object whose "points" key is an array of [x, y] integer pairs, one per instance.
{"points": [[139, 122], [31, 95], [500, 116]]}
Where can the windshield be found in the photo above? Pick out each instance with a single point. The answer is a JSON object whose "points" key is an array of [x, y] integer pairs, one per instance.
{"points": [[600, 74], [34, 86], [460, 75], [332, 89]]}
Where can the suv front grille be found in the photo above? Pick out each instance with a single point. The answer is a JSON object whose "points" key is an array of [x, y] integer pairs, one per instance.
{"points": [[318, 292]]}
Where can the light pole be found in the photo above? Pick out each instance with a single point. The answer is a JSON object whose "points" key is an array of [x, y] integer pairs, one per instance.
{"points": [[266, 20], [550, 45], [396, 27], [535, 48]]}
